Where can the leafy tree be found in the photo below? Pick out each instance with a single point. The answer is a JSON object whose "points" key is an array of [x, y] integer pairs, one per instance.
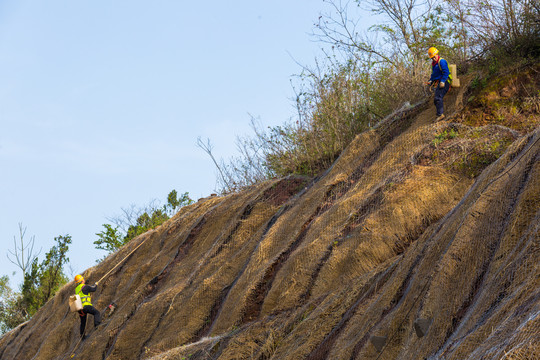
{"points": [[52, 275], [146, 222], [110, 239], [41, 282], [11, 312], [175, 202], [135, 222], [45, 278]]}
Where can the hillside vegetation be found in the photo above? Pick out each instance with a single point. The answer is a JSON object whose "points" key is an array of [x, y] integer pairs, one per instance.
{"points": [[414, 220], [367, 74], [363, 229]]}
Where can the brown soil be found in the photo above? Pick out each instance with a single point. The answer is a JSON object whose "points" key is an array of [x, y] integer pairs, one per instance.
{"points": [[415, 220]]}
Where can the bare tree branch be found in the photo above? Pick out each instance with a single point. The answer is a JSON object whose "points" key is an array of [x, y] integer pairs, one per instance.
{"points": [[23, 252], [207, 148]]}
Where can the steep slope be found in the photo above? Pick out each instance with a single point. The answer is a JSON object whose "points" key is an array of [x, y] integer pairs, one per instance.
{"points": [[409, 223]]}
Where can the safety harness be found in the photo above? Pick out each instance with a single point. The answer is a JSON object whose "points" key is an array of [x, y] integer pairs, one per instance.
{"points": [[449, 72]]}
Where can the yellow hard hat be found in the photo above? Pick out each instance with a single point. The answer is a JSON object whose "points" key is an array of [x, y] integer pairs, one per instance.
{"points": [[79, 279], [432, 52]]}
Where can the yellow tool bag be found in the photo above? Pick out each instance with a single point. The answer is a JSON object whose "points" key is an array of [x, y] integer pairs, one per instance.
{"points": [[453, 74], [452, 78]]}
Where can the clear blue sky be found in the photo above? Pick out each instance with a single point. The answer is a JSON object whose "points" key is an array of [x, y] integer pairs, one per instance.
{"points": [[101, 103]]}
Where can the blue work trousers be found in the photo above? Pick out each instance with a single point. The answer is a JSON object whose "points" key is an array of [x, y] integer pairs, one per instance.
{"points": [[439, 94]]}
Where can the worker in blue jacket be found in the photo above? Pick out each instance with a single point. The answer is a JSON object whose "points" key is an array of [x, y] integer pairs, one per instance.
{"points": [[440, 74]]}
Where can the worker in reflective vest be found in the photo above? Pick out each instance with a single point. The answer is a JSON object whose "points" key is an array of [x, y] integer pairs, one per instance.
{"points": [[84, 291]]}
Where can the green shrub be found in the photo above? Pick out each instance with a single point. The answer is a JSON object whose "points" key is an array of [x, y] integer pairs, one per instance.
{"points": [[136, 222]]}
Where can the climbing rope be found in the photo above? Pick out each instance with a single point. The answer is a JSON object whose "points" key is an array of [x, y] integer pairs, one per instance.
{"points": [[80, 339], [97, 282], [120, 262]]}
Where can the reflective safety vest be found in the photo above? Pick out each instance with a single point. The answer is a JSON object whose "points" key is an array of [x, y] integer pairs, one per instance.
{"points": [[85, 299]]}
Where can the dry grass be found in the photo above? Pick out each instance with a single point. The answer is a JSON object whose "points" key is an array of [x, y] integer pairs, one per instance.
{"points": [[290, 270]]}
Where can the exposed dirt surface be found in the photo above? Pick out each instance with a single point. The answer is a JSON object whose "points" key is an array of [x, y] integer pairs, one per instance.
{"points": [[414, 220]]}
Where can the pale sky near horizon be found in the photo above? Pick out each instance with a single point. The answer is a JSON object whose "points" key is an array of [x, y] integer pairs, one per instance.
{"points": [[101, 104]]}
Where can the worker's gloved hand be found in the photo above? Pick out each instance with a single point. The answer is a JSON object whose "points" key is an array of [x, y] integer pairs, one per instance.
{"points": [[441, 84]]}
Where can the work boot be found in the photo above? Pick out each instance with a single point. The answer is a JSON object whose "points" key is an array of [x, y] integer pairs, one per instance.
{"points": [[440, 117]]}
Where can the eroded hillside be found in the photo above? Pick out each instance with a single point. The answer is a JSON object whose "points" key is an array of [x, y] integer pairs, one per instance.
{"points": [[421, 242]]}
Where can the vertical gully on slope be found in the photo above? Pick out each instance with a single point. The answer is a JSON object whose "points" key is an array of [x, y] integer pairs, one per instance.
{"points": [[246, 212], [464, 311], [269, 225], [276, 194], [151, 287], [256, 298], [398, 298], [13, 337], [282, 210], [364, 210], [321, 352]]}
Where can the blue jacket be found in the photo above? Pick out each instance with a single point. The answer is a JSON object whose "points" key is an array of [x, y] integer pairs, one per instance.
{"points": [[437, 74]]}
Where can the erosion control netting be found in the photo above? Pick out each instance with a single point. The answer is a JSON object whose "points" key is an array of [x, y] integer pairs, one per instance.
{"points": [[421, 241]]}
